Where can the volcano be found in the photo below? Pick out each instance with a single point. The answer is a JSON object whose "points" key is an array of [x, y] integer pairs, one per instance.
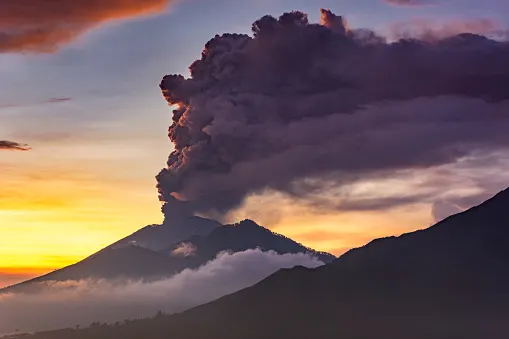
{"points": [[449, 281]]}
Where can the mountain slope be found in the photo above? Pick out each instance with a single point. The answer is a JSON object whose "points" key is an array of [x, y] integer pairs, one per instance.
{"points": [[447, 282]]}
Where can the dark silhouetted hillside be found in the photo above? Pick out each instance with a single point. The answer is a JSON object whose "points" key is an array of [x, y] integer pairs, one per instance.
{"points": [[450, 281]]}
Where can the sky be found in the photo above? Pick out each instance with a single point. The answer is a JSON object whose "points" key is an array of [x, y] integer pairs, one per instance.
{"points": [[81, 107]]}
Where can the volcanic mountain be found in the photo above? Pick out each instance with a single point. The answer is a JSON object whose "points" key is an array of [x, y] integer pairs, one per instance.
{"points": [[449, 281], [160, 251]]}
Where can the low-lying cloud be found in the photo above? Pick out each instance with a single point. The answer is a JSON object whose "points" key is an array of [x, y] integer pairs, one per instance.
{"points": [[71, 303], [13, 146], [44, 26]]}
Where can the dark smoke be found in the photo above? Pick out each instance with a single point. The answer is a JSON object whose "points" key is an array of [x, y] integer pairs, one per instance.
{"points": [[298, 102], [13, 146]]}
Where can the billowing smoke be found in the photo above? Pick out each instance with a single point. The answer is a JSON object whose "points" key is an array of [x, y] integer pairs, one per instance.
{"points": [[300, 107], [13, 146], [71, 303]]}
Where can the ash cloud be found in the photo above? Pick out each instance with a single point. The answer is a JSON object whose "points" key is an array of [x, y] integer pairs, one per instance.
{"points": [[301, 101], [7, 145], [44, 26], [71, 303]]}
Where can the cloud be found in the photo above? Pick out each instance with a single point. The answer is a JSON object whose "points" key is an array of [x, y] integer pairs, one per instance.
{"points": [[67, 304], [325, 104], [442, 209], [58, 100], [13, 146], [184, 250], [446, 207], [55, 100], [432, 30], [408, 2], [469, 183], [44, 26]]}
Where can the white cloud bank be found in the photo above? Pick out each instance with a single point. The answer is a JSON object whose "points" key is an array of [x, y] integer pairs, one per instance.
{"points": [[71, 303]]}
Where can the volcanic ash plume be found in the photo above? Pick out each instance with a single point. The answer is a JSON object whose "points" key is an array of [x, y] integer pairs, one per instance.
{"points": [[299, 102]]}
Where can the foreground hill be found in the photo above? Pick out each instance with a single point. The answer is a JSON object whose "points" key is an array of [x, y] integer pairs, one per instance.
{"points": [[127, 259], [446, 282]]}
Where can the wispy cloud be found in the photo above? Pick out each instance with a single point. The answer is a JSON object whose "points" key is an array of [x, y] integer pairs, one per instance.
{"points": [[414, 3], [13, 146], [44, 26], [54, 100], [57, 100]]}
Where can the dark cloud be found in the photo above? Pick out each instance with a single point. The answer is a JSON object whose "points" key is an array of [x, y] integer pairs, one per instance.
{"points": [[299, 102], [43, 26], [13, 146]]}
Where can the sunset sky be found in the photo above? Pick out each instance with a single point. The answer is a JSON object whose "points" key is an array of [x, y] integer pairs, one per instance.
{"points": [[81, 89]]}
